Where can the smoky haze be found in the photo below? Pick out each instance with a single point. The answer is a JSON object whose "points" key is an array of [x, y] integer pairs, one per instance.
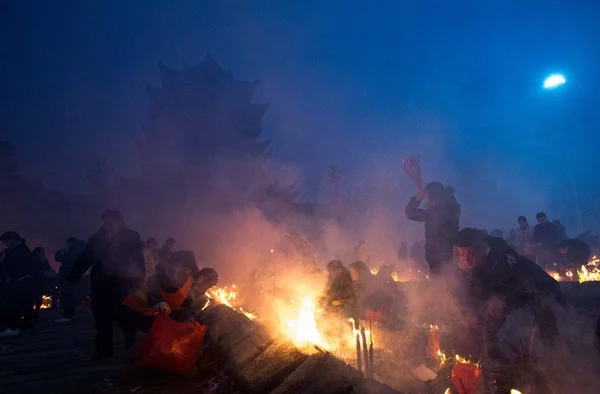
{"points": [[347, 85]]}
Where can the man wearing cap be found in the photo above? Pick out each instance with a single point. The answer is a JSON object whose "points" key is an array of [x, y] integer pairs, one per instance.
{"points": [[114, 253]]}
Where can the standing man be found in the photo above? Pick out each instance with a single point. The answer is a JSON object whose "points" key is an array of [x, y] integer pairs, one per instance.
{"points": [[441, 222], [67, 259], [546, 238], [114, 253], [500, 281], [524, 239], [17, 283]]}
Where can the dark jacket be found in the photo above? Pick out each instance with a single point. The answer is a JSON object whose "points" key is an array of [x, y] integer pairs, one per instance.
{"points": [[441, 224], [67, 258], [17, 263], [546, 234], [112, 259], [513, 278], [578, 252], [339, 295]]}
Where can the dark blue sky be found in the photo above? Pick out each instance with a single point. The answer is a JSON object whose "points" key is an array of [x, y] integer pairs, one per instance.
{"points": [[351, 83]]}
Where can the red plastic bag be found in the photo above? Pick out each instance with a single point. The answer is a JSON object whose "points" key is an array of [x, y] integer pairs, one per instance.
{"points": [[466, 378], [172, 346]]}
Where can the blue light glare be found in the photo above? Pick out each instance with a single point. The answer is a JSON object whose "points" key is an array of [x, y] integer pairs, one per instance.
{"points": [[554, 81]]}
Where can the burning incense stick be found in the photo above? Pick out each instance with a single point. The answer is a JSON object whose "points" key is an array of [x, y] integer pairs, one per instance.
{"points": [[358, 353], [363, 335], [371, 373]]}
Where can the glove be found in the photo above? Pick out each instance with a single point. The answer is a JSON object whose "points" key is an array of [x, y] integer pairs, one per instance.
{"points": [[162, 307]]}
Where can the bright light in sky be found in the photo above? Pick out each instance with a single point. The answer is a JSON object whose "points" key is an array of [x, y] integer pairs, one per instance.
{"points": [[554, 81]]}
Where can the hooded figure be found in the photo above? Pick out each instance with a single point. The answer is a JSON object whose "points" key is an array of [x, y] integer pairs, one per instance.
{"points": [[441, 218]]}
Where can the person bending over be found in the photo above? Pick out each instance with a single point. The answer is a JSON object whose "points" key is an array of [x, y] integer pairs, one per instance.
{"points": [[500, 281]]}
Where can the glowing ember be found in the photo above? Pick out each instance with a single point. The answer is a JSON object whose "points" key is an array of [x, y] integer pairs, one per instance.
{"points": [[569, 275], [396, 277], [555, 275], [249, 315], [374, 271], [513, 391]]}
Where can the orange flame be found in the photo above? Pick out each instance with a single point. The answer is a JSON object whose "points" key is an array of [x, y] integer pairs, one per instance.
{"points": [[589, 272], [226, 296]]}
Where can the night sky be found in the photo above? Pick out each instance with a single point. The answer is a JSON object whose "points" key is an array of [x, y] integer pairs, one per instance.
{"points": [[357, 84]]}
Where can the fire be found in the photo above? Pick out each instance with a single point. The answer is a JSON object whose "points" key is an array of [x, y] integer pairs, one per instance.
{"points": [[227, 296], [555, 275], [46, 302], [374, 271], [302, 328], [442, 357], [569, 275], [589, 272], [464, 360], [224, 295], [355, 332]]}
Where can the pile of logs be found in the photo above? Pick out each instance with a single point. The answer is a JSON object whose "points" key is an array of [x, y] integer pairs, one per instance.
{"points": [[263, 363]]}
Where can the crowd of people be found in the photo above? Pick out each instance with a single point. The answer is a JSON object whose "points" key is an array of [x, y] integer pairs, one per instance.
{"points": [[547, 243], [498, 275], [24, 275], [119, 265]]}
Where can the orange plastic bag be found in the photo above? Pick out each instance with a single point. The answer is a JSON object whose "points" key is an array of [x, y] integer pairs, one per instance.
{"points": [[138, 302], [172, 346]]}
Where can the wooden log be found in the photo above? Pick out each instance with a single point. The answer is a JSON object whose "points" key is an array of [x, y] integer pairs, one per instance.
{"points": [[241, 347], [238, 339], [334, 376], [270, 368]]}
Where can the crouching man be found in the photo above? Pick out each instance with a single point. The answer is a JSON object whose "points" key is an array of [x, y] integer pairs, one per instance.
{"points": [[179, 289], [500, 281]]}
